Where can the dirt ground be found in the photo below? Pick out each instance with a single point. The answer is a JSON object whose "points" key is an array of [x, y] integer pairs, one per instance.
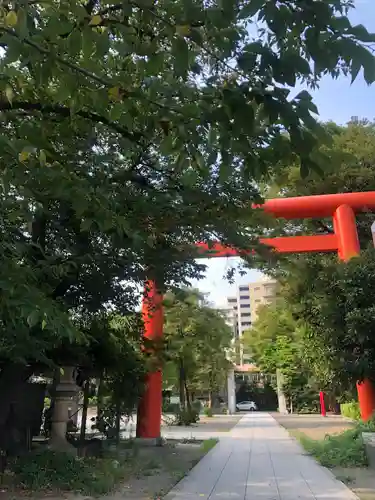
{"points": [[224, 423], [152, 471], [314, 426], [360, 480], [159, 470]]}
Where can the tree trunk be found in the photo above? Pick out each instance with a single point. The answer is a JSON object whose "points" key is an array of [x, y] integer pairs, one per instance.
{"points": [[118, 422], [182, 384], [210, 399], [100, 403], [86, 395], [11, 377], [12, 380], [187, 392]]}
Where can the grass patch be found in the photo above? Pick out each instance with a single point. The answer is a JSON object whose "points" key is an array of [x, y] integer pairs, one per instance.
{"points": [[208, 444], [47, 470], [342, 450], [346, 449]]}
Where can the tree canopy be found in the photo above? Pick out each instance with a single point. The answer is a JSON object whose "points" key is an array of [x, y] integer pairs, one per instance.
{"points": [[198, 345], [131, 130], [331, 299]]}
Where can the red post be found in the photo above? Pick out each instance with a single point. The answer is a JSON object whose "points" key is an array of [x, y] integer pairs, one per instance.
{"points": [[366, 398], [150, 406], [322, 404], [348, 247]]}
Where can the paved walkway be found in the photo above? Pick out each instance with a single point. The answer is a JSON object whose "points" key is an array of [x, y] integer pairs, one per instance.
{"points": [[259, 461]]}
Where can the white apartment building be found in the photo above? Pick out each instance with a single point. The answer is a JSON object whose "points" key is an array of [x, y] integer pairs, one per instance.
{"points": [[241, 310]]}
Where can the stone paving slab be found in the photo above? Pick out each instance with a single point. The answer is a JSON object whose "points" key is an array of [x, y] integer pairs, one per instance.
{"points": [[258, 460]]}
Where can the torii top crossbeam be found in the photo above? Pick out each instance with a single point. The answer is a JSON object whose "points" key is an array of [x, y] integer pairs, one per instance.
{"points": [[342, 207], [318, 206]]}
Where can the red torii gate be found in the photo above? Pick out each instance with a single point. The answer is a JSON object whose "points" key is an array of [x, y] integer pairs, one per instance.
{"points": [[341, 207]]}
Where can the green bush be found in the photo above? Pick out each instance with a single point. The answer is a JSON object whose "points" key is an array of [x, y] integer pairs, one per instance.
{"points": [[93, 401], [208, 412], [170, 407], [186, 416], [351, 410], [47, 469], [197, 405], [342, 450]]}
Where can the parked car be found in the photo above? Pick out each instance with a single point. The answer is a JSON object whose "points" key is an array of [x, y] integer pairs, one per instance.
{"points": [[246, 406]]}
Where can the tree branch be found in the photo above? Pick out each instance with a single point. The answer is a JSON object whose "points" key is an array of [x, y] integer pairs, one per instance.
{"points": [[65, 111], [77, 69]]}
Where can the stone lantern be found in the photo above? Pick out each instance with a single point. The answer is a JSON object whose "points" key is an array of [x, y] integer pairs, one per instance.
{"points": [[66, 391]]}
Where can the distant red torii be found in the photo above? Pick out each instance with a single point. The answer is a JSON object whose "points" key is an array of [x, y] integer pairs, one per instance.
{"points": [[341, 207]]}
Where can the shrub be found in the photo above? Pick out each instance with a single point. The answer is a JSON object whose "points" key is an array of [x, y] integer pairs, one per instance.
{"points": [[208, 412], [47, 469], [342, 450], [197, 405], [185, 416], [170, 407], [351, 410]]}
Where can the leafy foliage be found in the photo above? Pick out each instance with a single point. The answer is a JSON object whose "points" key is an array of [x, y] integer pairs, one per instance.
{"points": [[332, 300], [116, 113], [275, 343], [343, 450], [337, 303], [45, 469], [351, 410], [198, 339]]}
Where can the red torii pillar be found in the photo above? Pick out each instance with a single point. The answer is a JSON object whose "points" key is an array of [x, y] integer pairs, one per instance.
{"points": [[341, 207]]}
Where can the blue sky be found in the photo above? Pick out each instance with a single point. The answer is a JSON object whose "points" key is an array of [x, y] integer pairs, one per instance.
{"points": [[337, 100]]}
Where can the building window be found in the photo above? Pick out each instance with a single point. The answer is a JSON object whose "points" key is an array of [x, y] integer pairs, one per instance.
{"points": [[244, 288], [246, 323], [245, 306], [245, 315], [232, 301], [257, 301], [244, 297]]}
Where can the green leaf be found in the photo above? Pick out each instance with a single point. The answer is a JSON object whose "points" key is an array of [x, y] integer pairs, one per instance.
{"points": [[180, 51], [247, 61], [9, 93], [200, 162], [42, 158], [250, 8], [11, 18], [212, 136], [355, 69], [33, 318], [362, 34], [361, 56], [75, 42]]}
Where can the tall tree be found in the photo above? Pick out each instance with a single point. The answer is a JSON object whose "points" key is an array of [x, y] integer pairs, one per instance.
{"points": [[332, 299], [114, 114], [275, 345], [198, 341]]}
